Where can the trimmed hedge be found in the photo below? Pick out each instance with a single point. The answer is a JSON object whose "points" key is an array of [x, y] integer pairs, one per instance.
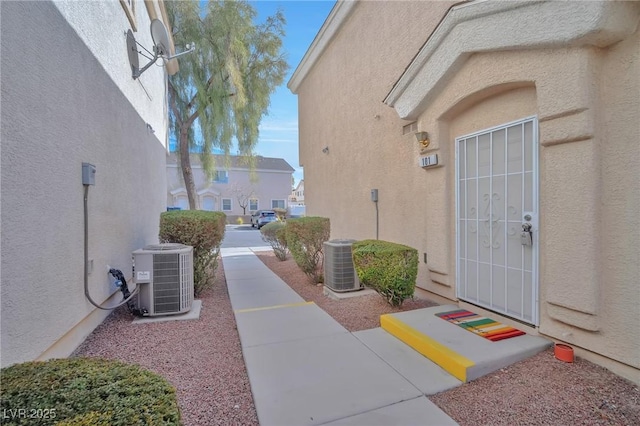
{"points": [[389, 268], [274, 234], [86, 391], [305, 237], [204, 231]]}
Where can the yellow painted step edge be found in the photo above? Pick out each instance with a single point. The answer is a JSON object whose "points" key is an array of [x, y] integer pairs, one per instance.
{"points": [[265, 308], [452, 362]]}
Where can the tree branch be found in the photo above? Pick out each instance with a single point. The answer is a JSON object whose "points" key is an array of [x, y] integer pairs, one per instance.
{"points": [[174, 107]]}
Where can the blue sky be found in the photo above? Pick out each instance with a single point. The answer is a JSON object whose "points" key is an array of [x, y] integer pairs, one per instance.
{"points": [[279, 129]]}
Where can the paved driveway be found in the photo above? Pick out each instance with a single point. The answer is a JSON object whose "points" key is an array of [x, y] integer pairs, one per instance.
{"points": [[242, 236]]}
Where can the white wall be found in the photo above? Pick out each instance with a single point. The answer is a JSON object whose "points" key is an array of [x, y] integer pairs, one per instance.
{"points": [[102, 26], [64, 103]]}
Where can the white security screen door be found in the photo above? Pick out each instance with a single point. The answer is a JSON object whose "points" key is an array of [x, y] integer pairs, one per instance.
{"points": [[497, 203]]}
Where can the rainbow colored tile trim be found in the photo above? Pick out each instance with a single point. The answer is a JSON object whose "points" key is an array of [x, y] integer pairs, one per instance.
{"points": [[482, 326]]}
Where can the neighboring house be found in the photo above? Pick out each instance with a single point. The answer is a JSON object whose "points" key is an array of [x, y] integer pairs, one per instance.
{"points": [[297, 195], [532, 113], [68, 97], [230, 189]]}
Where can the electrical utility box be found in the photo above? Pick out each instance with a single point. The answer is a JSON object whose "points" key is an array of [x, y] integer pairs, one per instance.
{"points": [[88, 174]]}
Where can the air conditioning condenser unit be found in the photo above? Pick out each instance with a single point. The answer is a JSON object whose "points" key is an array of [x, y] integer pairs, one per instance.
{"points": [[339, 272], [164, 275]]}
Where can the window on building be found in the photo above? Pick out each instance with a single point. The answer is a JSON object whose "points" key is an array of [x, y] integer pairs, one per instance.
{"points": [[226, 204], [277, 204], [253, 204], [221, 176]]}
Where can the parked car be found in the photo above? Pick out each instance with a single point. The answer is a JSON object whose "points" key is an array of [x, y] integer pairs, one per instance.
{"points": [[262, 217]]}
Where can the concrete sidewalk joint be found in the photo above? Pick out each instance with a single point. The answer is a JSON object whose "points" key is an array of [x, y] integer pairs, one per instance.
{"points": [[304, 367], [265, 308]]}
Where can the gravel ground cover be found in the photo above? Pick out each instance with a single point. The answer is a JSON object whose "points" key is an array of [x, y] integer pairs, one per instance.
{"points": [[355, 314], [538, 391], [544, 391], [202, 359]]}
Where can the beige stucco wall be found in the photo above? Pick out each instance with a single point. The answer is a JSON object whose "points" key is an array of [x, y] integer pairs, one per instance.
{"points": [[362, 134], [586, 101], [588, 299]]}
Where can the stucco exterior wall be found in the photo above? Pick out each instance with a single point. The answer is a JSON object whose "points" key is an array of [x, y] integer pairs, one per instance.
{"points": [[102, 26], [586, 298], [61, 108], [268, 185], [340, 107], [584, 95]]}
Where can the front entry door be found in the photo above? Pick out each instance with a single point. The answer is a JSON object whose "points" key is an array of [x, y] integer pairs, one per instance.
{"points": [[497, 206]]}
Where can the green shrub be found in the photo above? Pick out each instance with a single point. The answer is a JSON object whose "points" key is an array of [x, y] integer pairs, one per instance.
{"points": [[274, 234], [204, 231], [86, 391], [305, 236], [390, 269]]}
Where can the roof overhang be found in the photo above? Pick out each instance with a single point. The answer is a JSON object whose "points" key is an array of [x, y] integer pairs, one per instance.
{"points": [[208, 191], [329, 29], [171, 65], [487, 26]]}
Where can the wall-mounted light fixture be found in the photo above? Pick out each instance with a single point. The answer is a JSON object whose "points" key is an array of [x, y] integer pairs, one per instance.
{"points": [[325, 150], [423, 139]]}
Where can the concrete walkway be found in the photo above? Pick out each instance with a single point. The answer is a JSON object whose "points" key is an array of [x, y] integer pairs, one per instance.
{"points": [[305, 368]]}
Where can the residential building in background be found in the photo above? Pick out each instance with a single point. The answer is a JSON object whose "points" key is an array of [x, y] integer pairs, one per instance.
{"points": [[236, 190], [68, 98], [505, 151], [297, 195]]}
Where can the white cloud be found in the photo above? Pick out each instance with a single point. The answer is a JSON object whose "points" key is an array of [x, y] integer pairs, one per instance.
{"points": [[279, 126], [270, 140]]}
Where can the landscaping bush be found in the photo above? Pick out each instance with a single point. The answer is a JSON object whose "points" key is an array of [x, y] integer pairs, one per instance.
{"points": [[305, 236], [204, 231], [274, 234], [389, 268], [86, 391]]}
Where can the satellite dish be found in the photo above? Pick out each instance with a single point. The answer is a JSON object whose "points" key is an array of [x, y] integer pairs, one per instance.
{"points": [[160, 37], [132, 50], [161, 48]]}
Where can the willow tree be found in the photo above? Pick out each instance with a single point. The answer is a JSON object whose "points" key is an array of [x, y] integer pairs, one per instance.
{"points": [[222, 90]]}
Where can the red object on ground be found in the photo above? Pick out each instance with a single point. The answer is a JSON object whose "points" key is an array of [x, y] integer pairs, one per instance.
{"points": [[563, 352]]}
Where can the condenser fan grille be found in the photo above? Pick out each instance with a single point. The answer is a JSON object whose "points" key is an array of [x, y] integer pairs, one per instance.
{"points": [[166, 285], [164, 274]]}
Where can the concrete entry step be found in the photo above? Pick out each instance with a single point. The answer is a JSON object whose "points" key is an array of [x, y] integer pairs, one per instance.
{"points": [[463, 354]]}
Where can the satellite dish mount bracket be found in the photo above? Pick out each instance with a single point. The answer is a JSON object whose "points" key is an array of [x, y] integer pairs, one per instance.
{"points": [[160, 48]]}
